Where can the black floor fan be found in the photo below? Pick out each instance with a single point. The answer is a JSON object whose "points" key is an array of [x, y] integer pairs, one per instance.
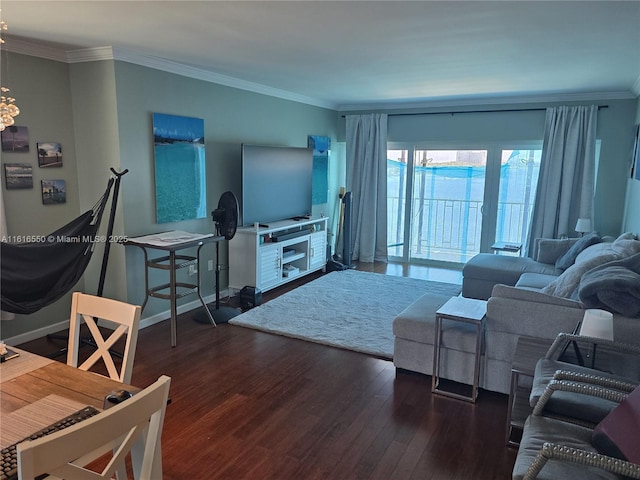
{"points": [[226, 220]]}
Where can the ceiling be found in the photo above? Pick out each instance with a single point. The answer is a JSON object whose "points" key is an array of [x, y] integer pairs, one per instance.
{"points": [[354, 55]]}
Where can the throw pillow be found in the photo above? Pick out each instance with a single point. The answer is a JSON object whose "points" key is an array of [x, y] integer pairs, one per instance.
{"points": [[617, 434], [626, 236], [551, 249], [597, 250], [568, 259], [626, 248]]}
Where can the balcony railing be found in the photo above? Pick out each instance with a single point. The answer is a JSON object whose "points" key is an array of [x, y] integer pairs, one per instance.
{"points": [[449, 230]]}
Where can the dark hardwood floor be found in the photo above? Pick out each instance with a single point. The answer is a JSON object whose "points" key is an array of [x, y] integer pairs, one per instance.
{"points": [[252, 405]]}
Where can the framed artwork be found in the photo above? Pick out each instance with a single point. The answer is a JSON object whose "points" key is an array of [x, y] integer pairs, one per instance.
{"points": [[635, 154], [180, 174], [321, 146], [18, 175], [54, 192], [15, 139], [49, 154]]}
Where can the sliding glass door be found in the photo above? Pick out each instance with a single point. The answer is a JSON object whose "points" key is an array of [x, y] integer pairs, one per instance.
{"points": [[447, 205]]}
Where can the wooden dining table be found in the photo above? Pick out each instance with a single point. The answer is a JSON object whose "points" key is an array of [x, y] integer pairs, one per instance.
{"points": [[36, 391]]}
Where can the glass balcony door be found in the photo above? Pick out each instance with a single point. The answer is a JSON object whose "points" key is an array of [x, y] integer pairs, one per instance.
{"points": [[447, 205]]}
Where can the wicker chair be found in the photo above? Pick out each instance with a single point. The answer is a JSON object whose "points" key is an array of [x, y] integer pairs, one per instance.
{"points": [[573, 405], [555, 449]]}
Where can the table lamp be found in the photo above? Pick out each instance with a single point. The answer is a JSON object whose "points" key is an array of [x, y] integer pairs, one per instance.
{"points": [[583, 225], [597, 324]]}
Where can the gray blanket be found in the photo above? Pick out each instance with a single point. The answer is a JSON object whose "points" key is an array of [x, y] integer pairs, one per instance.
{"points": [[613, 286]]}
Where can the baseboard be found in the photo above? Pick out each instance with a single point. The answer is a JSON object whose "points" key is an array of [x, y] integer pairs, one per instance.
{"points": [[144, 322]]}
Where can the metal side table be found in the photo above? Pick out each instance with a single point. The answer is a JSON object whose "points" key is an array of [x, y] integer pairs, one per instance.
{"points": [[468, 311]]}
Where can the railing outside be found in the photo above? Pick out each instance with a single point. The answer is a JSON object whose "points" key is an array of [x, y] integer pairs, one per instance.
{"points": [[449, 230]]}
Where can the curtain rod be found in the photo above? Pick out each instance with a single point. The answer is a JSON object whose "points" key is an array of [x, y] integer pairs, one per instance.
{"points": [[536, 109]]}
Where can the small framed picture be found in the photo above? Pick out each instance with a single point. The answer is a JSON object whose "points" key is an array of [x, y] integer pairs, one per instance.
{"points": [[15, 139], [49, 154], [54, 192], [18, 175]]}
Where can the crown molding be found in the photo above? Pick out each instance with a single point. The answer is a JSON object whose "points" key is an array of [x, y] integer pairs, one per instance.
{"points": [[157, 63], [24, 47], [82, 55]]}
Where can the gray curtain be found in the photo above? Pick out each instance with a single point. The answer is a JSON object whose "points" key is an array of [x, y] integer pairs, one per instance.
{"points": [[567, 170], [367, 182]]}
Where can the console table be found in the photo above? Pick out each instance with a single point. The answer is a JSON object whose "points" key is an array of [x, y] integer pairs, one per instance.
{"points": [[172, 242], [267, 256]]}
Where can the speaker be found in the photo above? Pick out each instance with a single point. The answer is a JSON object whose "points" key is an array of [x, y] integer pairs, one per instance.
{"points": [[250, 297]]}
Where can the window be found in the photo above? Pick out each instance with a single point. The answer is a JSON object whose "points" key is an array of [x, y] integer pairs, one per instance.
{"points": [[461, 200]]}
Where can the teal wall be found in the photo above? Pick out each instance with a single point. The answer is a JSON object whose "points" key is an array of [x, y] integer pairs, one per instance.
{"points": [[97, 144], [43, 94], [231, 117]]}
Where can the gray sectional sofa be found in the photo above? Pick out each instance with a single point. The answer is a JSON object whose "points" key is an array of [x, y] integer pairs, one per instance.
{"points": [[536, 297], [545, 299]]}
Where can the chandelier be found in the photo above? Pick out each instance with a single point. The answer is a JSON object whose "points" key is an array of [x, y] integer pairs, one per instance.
{"points": [[8, 107]]}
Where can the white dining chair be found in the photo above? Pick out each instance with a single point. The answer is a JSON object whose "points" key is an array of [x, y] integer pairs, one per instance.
{"points": [[133, 426], [124, 317]]}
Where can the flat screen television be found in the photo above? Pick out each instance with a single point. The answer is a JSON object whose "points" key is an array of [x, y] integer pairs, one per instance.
{"points": [[276, 183]]}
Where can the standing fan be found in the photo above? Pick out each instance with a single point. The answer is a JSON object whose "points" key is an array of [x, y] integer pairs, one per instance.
{"points": [[226, 220]]}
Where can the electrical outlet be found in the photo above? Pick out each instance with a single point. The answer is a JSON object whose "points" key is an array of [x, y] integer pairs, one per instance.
{"points": [[193, 269], [210, 265]]}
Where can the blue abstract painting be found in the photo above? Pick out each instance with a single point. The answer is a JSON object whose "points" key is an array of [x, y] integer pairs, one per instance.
{"points": [[180, 173], [321, 146]]}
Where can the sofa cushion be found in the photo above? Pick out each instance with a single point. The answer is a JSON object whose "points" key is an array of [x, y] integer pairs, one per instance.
{"points": [[593, 251], [502, 268], [569, 404], [569, 258], [417, 321], [549, 250], [535, 281], [539, 430]]}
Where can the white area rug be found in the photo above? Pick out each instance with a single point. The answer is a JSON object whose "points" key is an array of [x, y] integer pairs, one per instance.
{"points": [[349, 309]]}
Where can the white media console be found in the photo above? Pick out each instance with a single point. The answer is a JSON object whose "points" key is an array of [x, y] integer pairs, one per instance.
{"points": [[274, 254]]}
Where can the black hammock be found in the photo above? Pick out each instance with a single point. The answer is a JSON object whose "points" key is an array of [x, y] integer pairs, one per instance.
{"points": [[36, 274]]}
